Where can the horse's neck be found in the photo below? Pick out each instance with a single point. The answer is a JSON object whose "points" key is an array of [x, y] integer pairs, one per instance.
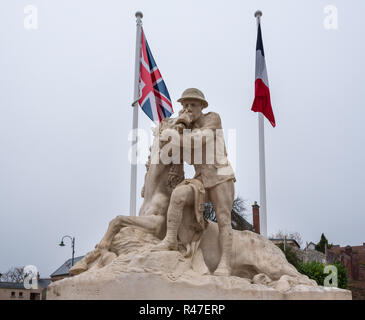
{"points": [[156, 191], [160, 179], [157, 177]]}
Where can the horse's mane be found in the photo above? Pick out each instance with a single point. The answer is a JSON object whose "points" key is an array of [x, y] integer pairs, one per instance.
{"points": [[176, 171]]}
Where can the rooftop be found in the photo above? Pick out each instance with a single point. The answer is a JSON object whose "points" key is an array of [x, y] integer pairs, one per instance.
{"points": [[65, 268], [287, 240], [43, 283], [12, 285]]}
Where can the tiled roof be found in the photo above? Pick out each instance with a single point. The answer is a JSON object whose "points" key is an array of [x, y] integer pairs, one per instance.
{"points": [[12, 285], [43, 283], [65, 268], [287, 240]]}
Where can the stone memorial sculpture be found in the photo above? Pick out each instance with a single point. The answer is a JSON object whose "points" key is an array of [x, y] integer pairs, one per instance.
{"points": [[170, 251]]}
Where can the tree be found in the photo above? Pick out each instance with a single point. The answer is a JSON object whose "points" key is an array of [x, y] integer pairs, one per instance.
{"points": [[238, 214], [289, 235], [290, 255], [321, 245], [315, 271], [15, 274]]}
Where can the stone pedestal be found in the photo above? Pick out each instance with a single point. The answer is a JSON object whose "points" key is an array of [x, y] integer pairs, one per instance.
{"points": [[166, 275]]}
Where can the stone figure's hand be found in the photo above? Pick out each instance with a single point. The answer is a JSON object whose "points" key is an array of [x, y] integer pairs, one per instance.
{"points": [[184, 118]]}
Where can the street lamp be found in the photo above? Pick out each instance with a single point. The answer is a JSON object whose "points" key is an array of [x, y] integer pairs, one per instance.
{"points": [[62, 244]]}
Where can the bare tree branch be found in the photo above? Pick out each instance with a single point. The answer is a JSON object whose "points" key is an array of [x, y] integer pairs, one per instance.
{"points": [[289, 235], [238, 214]]}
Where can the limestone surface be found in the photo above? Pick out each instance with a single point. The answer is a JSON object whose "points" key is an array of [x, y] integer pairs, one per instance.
{"points": [[169, 251], [140, 273]]}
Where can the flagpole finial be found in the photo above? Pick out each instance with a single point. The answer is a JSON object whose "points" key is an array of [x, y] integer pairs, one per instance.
{"points": [[258, 14], [139, 14]]}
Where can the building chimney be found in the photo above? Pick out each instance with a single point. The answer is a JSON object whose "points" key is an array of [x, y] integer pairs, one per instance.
{"points": [[256, 217]]}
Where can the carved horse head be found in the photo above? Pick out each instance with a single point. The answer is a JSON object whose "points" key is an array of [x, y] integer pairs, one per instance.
{"points": [[160, 179]]}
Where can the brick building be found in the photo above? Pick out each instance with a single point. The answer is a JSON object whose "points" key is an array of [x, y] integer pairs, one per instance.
{"points": [[353, 258], [17, 291]]}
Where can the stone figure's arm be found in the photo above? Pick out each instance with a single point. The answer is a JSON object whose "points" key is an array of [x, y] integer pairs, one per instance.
{"points": [[212, 121], [211, 124]]}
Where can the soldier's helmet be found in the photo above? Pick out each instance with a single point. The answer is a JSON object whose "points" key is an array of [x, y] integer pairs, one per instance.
{"points": [[193, 93]]}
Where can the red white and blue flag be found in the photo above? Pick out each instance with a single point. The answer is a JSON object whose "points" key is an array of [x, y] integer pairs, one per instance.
{"points": [[154, 98], [262, 101]]}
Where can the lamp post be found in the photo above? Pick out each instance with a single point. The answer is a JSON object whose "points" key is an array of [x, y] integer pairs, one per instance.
{"points": [[62, 244]]}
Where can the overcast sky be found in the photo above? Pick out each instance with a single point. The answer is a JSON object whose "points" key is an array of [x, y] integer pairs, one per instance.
{"points": [[66, 90]]}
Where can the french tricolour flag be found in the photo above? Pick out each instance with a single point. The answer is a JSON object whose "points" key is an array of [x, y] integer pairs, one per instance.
{"points": [[262, 101]]}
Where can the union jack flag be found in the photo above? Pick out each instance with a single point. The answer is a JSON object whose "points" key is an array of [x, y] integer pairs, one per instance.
{"points": [[154, 98]]}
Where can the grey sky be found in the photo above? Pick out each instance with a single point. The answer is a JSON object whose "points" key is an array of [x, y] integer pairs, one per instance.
{"points": [[65, 115]]}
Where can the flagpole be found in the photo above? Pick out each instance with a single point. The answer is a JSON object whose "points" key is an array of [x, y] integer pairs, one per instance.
{"points": [[263, 215], [133, 188]]}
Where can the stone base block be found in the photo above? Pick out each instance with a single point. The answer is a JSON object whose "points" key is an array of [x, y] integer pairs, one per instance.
{"points": [[149, 286]]}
